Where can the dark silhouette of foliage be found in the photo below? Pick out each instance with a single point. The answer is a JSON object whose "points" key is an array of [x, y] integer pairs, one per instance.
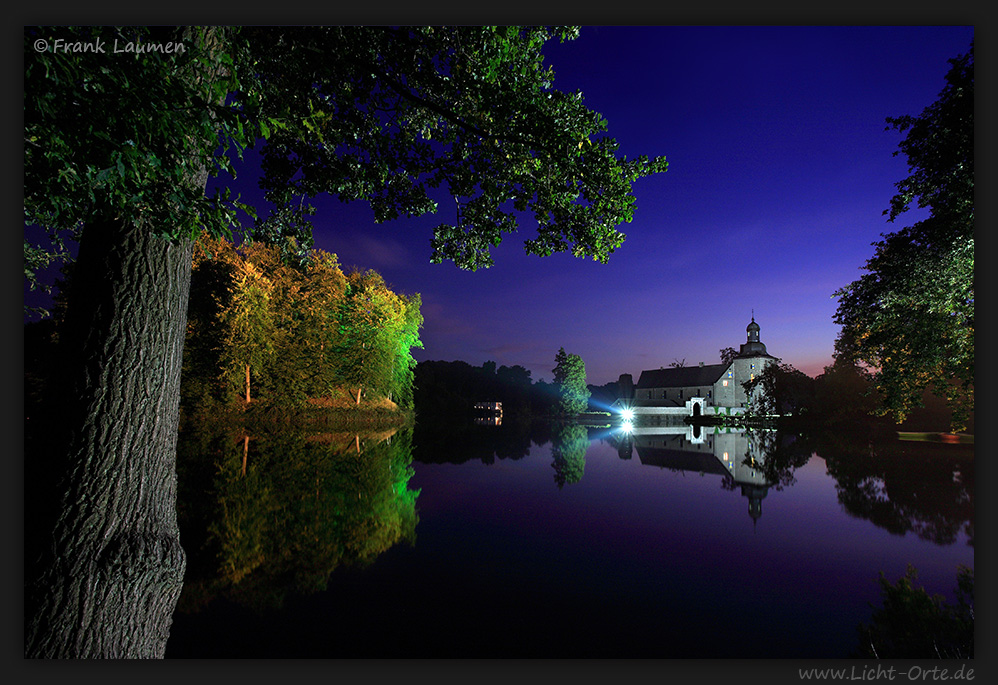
{"points": [[910, 319], [728, 354], [784, 391], [911, 624], [451, 389], [922, 488]]}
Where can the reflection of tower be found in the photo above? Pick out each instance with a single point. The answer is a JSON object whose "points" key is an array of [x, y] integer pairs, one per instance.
{"points": [[744, 458], [735, 454], [755, 494]]}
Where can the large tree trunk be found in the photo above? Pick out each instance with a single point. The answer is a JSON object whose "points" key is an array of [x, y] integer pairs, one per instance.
{"points": [[111, 574]]}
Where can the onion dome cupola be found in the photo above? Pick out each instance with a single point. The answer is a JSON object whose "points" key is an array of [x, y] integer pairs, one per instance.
{"points": [[752, 347]]}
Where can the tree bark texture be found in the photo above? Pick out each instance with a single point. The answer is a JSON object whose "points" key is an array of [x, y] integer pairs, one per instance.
{"points": [[111, 574]]}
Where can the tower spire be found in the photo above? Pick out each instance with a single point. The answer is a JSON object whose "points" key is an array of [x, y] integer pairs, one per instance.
{"points": [[753, 344]]}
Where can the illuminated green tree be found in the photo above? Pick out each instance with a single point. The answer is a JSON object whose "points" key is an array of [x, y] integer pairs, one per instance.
{"points": [[370, 318], [406, 339], [305, 296], [911, 317], [570, 381]]}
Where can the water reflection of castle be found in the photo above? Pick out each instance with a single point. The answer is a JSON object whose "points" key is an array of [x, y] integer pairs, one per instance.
{"points": [[728, 452]]}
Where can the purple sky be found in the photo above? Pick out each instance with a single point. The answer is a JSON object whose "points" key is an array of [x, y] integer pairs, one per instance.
{"points": [[779, 170]]}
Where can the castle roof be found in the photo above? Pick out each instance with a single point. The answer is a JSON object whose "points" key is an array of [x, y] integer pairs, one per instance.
{"points": [[753, 349], [682, 376], [694, 376]]}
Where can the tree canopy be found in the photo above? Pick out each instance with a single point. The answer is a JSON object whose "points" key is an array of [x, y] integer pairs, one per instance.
{"points": [[401, 117], [783, 390], [910, 318], [293, 332], [131, 136]]}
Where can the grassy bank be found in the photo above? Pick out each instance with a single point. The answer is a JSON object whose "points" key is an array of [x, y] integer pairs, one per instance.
{"points": [[957, 438], [339, 410]]}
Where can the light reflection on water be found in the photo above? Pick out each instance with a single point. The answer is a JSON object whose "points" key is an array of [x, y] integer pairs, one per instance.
{"points": [[563, 541]]}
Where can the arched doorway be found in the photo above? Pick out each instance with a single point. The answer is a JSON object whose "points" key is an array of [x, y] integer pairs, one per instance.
{"points": [[696, 410]]}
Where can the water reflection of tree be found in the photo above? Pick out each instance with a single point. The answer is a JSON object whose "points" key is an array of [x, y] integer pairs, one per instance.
{"points": [[569, 443], [775, 455], [277, 514], [917, 487]]}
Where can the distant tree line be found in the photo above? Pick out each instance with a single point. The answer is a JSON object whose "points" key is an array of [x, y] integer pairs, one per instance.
{"points": [[264, 328], [844, 392], [452, 388]]}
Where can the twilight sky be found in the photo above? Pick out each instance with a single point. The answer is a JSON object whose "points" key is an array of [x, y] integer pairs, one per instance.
{"points": [[779, 170]]}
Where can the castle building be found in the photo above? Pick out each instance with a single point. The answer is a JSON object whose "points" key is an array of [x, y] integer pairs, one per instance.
{"points": [[712, 385]]}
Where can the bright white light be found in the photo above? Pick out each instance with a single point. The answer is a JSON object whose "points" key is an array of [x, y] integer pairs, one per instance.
{"points": [[627, 426], [627, 414]]}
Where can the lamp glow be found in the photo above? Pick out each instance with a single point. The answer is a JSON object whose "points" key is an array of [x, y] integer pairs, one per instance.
{"points": [[627, 414], [627, 426]]}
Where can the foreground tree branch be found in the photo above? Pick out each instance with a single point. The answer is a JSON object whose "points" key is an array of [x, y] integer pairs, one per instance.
{"points": [[121, 146]]}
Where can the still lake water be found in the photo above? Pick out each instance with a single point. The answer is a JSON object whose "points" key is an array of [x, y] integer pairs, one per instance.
{"points": [[557, 542]]}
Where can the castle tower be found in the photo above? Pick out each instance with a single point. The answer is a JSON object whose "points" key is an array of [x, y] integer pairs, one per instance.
{"points": [[753, 347]]}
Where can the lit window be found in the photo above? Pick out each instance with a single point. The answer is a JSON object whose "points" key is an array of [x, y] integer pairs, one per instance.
{"points": [[725, 384]]}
